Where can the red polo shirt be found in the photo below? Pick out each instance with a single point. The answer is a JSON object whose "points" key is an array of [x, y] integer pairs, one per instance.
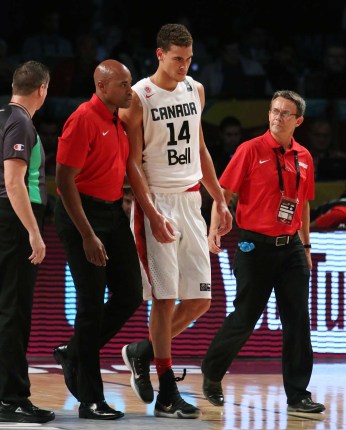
{"points": [[252, 174], [91, 142], [333, 218]]}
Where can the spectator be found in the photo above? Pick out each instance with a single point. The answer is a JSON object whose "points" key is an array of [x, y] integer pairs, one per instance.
{"points": [[49, 130], [6, 69], [73, 77], [331, 214], [131, 52], [256, 45], [283, 68], [128, 198], [48, 45], [329, 163], [229, 137], [328, 78], [232, 75]]}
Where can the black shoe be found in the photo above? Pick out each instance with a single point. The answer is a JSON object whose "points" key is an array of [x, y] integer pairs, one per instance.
{"points": [[212, 391], [306, 405], [68, 368], [98, 411], [169, 403], [24, 412], [137, 356]]}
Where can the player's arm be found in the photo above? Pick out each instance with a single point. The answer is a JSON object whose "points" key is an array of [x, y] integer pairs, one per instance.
{"points": [[210, 180], [214, 237], [133, 123]]}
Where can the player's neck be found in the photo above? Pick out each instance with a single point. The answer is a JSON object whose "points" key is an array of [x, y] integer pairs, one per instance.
{"points": [[163, 81]]}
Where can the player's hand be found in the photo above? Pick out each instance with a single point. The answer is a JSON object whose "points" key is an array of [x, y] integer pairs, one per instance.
{"points": [[225, 219], [162, 229], [214, 241]]}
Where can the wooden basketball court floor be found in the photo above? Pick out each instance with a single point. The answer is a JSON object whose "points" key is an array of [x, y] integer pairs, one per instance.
{"points": [[254, 399]]}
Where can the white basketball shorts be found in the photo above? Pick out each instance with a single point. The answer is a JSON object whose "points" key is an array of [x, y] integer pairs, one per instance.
{"points": [[180, 269]]}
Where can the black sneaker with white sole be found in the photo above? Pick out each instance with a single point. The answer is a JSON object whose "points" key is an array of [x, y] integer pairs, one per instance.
{"points": [[137, 357], [169, 403]]}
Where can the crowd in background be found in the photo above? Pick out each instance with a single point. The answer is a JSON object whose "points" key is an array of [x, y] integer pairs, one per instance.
{"points": [[240, 52], [239, 49]]}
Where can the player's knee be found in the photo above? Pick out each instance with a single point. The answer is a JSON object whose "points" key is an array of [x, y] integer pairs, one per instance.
{"points": [[200, 306]]}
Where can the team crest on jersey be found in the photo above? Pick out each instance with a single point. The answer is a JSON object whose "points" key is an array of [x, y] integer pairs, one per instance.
{"points": [[188, 86], [148, 92], [18, 147]]}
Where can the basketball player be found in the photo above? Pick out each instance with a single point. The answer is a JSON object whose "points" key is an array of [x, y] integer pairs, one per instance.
{"points": [[168, 160]]}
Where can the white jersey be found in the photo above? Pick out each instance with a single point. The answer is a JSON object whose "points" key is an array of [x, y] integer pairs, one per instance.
{"points": [[171, 122]]}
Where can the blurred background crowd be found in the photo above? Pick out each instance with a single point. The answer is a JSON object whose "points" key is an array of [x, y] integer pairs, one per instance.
{"points": [[244, 50]]}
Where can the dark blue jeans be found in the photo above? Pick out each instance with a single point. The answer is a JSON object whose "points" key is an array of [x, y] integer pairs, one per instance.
{"points": [[17, 282], [257, 272], [97, 322]]}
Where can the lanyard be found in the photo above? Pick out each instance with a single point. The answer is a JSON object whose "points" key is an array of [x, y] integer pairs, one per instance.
{"points": [[281, 180]]}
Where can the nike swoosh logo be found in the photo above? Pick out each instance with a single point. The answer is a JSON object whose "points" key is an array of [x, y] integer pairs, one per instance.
{"points": [[147, 96], [105, 132], [166, 408], [263, 161]]}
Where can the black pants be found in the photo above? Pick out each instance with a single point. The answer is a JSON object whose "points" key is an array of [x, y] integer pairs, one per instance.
{"points": [[97, 322], [17, 282], [257, 272]]}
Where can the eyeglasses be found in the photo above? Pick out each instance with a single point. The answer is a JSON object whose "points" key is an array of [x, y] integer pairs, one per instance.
{"points": [[285, 114]]}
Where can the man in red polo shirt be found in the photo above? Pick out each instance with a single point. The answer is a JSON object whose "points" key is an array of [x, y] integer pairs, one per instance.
{"points": [[95, 231], [273, 176]]}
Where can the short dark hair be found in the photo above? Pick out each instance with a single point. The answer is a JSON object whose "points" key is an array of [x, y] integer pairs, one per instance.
{"points": [[294, 97], [28, 77], [173, 34]]}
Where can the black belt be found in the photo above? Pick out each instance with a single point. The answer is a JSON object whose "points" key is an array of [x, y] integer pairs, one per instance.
{"points": [[95, 199], [263, 238]]}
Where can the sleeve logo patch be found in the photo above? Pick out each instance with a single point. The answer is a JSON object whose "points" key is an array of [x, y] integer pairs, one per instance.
{"points": [[18, 147], [204, 287]]}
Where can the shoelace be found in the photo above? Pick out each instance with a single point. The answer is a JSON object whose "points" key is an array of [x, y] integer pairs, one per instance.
{"points": [[180, 378]]}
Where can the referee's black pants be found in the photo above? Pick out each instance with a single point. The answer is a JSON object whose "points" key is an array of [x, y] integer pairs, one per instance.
{"points": [[257, 272], [17, 283], [97, 322]]}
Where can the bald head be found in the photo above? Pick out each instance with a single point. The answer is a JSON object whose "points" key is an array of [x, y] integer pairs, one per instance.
{"points": [[109, 69], [113, 84]]}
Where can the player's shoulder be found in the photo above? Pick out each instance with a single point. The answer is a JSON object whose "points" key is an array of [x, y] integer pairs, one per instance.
{"points": [[189, 80], [141, 84]]}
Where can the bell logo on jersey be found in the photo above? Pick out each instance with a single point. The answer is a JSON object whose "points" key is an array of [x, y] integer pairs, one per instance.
{"points": [[18, 147], [174, 158]]}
